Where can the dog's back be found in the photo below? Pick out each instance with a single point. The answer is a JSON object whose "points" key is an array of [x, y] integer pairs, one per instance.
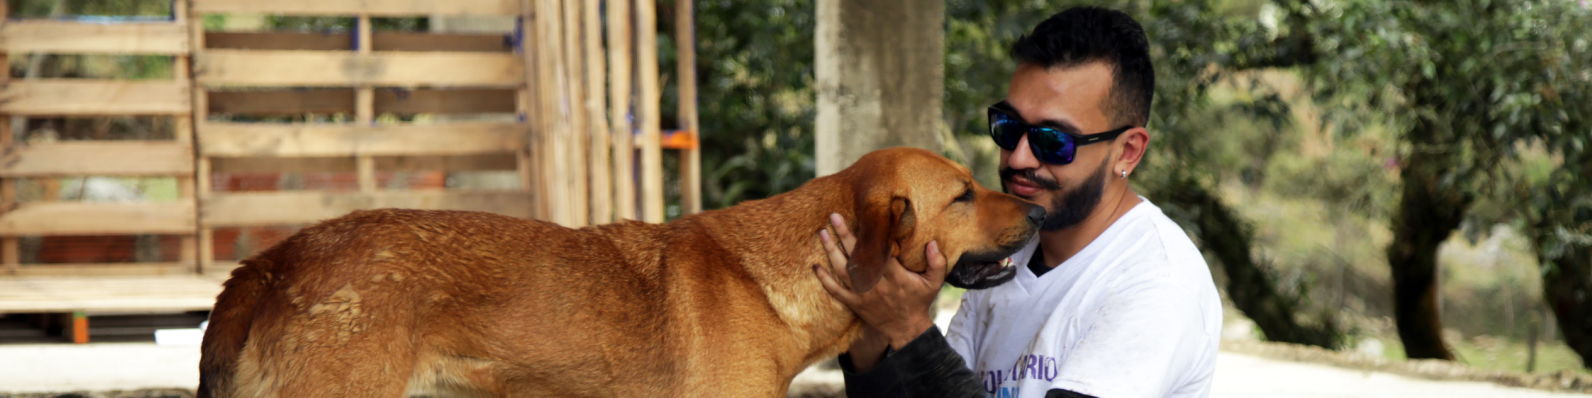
{"points": [[420, 300]]}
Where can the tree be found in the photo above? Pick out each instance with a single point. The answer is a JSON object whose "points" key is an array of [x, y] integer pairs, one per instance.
{"points": [[1466, 83]]}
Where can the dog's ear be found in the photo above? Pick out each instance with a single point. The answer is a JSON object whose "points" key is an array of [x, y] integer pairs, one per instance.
{"points": [[880, 231]]}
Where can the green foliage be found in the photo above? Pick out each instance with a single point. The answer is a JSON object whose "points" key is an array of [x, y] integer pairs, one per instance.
{"points": [[755, 76]]}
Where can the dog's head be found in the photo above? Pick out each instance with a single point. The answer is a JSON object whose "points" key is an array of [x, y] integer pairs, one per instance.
{"points": [[907, 197]]}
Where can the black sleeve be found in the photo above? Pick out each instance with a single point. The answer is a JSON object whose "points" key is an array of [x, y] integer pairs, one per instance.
{"points": [[925, 367]]}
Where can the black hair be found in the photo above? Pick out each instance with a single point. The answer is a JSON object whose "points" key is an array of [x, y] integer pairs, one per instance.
{"points": [[1082, 35]]}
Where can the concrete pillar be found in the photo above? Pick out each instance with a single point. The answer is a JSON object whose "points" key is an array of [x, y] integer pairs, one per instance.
{"points": [[880, 70]]}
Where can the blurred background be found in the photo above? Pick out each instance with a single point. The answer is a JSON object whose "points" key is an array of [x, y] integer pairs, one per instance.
{"points": [[1400, 179]]}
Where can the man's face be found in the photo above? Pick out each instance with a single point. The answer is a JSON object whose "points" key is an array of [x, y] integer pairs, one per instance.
{"points": [[1069, 99]]}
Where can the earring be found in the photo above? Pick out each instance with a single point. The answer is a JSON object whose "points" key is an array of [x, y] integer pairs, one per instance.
{"points": [[1124, 174]]}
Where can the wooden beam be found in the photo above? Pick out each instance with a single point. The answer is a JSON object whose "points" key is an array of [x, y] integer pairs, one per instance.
{"points": [[110, 269], [576, 184], [63, 97], [279, 208], [86, 218], [647, 99], [45, 36], [598, 159], [381, 41], [308, 140], [690, 158], [108, 294], [481, 162], [329, 68], [182, 130], [619, 93], [350, 7], [364, 109], [10, 255], [98, 158]]}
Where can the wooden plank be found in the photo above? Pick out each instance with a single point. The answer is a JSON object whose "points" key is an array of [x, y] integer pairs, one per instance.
{"points": [[602, 190], [45, 36], [63, 97], [576, 183], [241, 209], [84, 218], [480, 162], [111, 269], [690, 158], [350, 7], [10, 254], [647, 98], [101, 158], [341, 100], [619, 93], [330, 68], [108, 294], [309, 140]]}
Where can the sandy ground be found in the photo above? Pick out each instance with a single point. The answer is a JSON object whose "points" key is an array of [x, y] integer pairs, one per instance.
{"points": [[128, 366]]}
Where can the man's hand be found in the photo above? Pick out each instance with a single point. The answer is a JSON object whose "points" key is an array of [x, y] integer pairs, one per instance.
{"points": [[896, 310]]}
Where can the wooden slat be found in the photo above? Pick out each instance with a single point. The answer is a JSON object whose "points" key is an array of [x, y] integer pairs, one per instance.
{"points": [[602, 190], [79, 218], [330, 68], [104, 158], [341, 100], [278, 208], [691, 157], [648, 96], [308, 140], [112, 269], [349, 7], [93, 97], [77, 37], [108, 294], [494, 161], [382, 41], [619, 94]]}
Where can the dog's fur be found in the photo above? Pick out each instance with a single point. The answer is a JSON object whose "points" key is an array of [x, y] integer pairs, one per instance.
{"points": [[386, 303]]}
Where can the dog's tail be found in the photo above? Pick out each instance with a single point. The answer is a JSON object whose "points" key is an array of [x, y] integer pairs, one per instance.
{"points": [[229, 326]]}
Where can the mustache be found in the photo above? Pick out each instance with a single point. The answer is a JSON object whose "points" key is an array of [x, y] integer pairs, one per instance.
{"points": [[1031, 175]]}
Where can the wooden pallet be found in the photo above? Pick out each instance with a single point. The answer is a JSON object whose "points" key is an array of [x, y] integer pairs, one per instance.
{"points": [[84, 97]]}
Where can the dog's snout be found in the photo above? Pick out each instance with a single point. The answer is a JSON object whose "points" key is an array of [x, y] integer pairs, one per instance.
{"points": [[1036, 214]]}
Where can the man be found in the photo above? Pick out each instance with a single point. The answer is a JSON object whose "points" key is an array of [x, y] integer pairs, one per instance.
{"points": [[1111, 299]]}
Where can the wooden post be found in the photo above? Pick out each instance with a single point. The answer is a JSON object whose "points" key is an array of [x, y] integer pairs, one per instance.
{"points": [[550, 87], [365, 108], [10, 253], [200, 113], [529, 158], [691, 158], [183, 132], [619, 79], [576, 184], [602, 207], [647, 101]]}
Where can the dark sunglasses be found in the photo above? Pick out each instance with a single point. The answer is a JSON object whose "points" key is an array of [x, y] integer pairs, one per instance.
{"points": [[1050, 145]]}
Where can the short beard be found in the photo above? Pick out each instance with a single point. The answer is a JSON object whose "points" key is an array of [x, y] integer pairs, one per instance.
{"points": [[1068, 210]]}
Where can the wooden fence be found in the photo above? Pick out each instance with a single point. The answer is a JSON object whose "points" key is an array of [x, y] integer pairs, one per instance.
{"points": [[578, 120]]}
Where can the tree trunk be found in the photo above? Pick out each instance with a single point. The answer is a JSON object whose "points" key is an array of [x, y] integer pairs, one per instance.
{"points": [[1565, 287], [1426, 215], [1251, 286]]}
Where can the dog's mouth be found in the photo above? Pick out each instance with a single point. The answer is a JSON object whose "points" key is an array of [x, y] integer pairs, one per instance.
{"points": [[984, 270]]}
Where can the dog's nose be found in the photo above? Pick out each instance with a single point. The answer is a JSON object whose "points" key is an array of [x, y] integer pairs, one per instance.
{"points": [[1036, 214]]}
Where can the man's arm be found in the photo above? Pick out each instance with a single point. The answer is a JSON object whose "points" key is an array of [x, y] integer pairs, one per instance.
{"points": [[902, 353]]}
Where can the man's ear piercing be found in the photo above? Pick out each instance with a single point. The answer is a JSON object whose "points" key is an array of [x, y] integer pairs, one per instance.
{"points": [[1124, 174]]}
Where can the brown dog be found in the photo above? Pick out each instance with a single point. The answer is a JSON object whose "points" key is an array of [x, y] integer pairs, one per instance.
{"points": [[386, 303]]}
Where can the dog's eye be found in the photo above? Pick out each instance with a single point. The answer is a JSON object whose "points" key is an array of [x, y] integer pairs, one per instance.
{"points": [[966, 196]]}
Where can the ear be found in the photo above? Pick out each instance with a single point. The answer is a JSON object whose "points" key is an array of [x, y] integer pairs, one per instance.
{"points": [[880, 230]]}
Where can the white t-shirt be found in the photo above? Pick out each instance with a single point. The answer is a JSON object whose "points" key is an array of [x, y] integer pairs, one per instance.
{"points": [[1135, 314]]}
